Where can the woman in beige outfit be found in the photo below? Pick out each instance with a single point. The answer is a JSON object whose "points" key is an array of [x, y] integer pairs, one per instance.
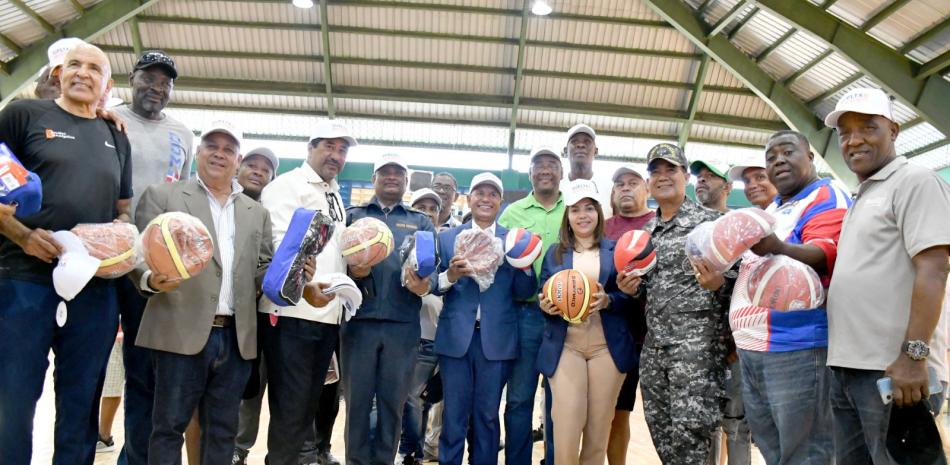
{"points": [[585, 362]]}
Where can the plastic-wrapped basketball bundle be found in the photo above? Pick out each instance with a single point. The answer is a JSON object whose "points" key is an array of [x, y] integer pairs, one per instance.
{"points": [[484, 253], [307, 235], [419, 253], [366, 242], [177, 245], [722, 242], [785, 284], [116, 245]]}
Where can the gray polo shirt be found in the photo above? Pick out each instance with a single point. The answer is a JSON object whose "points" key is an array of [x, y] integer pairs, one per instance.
{"points": [[899, 212]]}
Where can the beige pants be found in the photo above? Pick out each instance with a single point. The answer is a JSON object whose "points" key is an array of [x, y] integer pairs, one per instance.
{"points": [[584, 387]]}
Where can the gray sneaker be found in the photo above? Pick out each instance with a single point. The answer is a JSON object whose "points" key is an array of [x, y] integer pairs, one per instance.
{"points": [[105, 445]]}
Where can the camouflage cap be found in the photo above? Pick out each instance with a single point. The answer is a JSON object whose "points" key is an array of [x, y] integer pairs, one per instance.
{"points": [[668, 152]]}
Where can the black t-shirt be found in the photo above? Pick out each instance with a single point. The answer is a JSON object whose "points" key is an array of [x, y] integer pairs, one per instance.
{"points": [[85, 167]]}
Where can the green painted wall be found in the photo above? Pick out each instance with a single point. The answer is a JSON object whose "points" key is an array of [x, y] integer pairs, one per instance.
{"points": [[945, 174]]}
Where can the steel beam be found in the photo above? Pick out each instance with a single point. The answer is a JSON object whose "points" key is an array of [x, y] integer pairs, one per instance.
{"points": [[731, 15], [327, 70], [775, 45], [10, 44], [895, 72], [936, 66], [927, 148], [136, 36], [693, 102], [924, 37], [519, 74], [745, 20], [25, 9], [100, 18], [835, 89], [77, 6], [792, 110], [883, 14], [804, 69]]}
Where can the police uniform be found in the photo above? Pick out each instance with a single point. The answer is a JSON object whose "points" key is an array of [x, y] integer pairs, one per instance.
{"points": [[682, 366], [379, 345]]}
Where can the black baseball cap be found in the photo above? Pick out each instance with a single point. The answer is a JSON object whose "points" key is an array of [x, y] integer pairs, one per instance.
{"points": [[157, 58], [912, 437]]}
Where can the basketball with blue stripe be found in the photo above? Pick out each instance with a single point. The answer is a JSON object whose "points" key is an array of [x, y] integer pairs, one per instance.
{"points": [[522, 248]]}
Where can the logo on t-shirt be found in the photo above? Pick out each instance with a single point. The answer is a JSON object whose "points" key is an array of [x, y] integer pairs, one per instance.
{"points": [[51, 134]]}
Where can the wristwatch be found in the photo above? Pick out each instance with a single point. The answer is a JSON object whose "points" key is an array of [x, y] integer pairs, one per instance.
{"points": [[916, 349]]}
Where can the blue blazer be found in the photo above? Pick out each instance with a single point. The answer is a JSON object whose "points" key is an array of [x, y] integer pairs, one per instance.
{"points": [[616, 331], [499, 320]]}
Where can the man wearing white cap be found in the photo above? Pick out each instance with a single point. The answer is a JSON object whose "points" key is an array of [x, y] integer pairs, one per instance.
{"points": [[477, 338], [298, 348], [712, 185], [380, 343], [257, 170], [203, 330], [581, 149], [48, 85], [758, 190], [889, 280]]}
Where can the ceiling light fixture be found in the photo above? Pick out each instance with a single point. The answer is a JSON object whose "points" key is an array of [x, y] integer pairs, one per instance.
{"points": [[541, 8], [303, 3]]}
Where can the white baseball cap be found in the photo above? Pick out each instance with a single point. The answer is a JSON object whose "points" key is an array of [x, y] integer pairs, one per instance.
{"points": [[580, 128], [735, 173], [268, 154], [861, 100], [625, 170], [425, 193], [580, 189], [57, 52], [389, 159], [487, 178], [224, 127], [542, 150], [329, 129]]}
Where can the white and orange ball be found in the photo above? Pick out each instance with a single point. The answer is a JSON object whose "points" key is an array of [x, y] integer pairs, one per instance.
{"points": [[572, 293], [785, 284], [366, 242], [522, 248], [177, 245], [114, 244]]}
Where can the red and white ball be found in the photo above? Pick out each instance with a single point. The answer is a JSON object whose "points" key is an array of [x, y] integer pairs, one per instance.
{"points": [[634, 253], [522, 248], [785, 284]]}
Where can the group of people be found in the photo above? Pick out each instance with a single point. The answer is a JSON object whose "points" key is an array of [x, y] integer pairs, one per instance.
{"points": [[802, 384]]}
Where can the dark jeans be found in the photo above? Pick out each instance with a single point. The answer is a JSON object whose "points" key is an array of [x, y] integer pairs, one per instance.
{"points": [[327, 409], [249, 413], [211, 381], [413, 418], [298, 354], [786, 396], [28, 331], [139, 377], [378, 358], [522, 386]]}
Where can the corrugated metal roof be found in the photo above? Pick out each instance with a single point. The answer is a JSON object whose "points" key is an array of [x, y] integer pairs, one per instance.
{"points": [[429, 50], [801, 48], [423, 110], [828, 73], [385, 77], [615, 35], [408, 19], [608, 64], [719, 9], [716, 75], [606, 8], [935, 159], [916, 137], [902, 113], [601, 92], [599, 123], [702, 131], [910, 20], [746, 106], [856, 12], [760, 32], [269, 12], [228, 38], [55, 12]]}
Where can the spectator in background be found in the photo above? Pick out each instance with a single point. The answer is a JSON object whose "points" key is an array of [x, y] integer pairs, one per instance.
{"points": [[581, 149], [258, 169], [712, 185], [758, 190], [445, 185]]}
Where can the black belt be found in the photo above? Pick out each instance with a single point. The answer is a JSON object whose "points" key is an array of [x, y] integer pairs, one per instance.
{"points": [[223, 321], [478, 324]]}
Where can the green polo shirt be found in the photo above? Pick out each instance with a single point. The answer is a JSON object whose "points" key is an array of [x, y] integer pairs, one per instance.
{"points": [[529, 214]]}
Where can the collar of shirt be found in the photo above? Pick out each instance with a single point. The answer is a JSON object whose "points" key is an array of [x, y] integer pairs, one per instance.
{"points": [[533, 202], [682, 216], [236, 188], [314, 178], [490, 229], [887, 170], [375, 201], [805, 192]]}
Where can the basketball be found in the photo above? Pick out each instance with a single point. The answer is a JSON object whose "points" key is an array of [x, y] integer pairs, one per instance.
{"points": [[115, 244], [634, 253], [737, 231], [782, 283], [176, 245], [522, 248], [366, 242], [571, 292]]}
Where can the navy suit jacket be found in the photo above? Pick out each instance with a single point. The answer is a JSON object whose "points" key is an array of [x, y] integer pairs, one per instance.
{"points": [[499, 318], [619, 340]]}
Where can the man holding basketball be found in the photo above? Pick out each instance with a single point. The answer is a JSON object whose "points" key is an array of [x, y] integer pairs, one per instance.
{"points": [[785, 385], [885, 297]]}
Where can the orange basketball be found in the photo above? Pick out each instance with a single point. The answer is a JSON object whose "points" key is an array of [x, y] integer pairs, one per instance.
{"points": [[176, 245], [783, 283], [737, 231], [571, 292], [366, 242], [113, 243]]}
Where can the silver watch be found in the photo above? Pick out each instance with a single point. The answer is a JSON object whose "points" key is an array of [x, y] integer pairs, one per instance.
{"points": [[916, 349]]}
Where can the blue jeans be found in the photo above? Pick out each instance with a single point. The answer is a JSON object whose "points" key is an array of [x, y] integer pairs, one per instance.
{"points": [[859, 416], [211, 381], [139, 377], [522, 386], [28, 331], [413, 420], [787, 405]]}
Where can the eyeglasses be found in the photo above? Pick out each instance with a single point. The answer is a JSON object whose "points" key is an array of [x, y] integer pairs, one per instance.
{"points": [[443, 187], [335, 207]]}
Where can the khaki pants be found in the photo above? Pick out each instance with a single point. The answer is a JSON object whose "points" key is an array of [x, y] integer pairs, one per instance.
{"points": [[585, 387]]}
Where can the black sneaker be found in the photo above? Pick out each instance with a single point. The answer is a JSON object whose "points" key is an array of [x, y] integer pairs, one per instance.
{"points": [[239, 457], [327, 458]]}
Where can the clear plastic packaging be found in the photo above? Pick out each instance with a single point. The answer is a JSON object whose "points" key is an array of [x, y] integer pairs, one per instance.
{"points": [[116, 245], [176, 245], [722, 242], [783, 283], [366, 242], [306, 236], [484, 253], [419, 253]]}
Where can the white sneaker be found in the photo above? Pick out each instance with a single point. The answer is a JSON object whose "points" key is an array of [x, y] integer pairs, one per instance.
{"points": [[105, 445]]}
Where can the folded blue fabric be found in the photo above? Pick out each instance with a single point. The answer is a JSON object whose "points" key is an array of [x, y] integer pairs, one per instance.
{"points": [[307, 235]]}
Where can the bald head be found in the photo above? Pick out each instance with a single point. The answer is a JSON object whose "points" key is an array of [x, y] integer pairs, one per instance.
{"points": [[86, 75]]}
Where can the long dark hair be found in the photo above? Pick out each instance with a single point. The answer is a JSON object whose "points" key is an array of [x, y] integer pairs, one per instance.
{"points": [[566, 240]]}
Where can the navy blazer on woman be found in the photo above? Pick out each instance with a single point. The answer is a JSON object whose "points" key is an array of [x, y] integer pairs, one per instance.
{"points": [[619, 340], [499, 318]]}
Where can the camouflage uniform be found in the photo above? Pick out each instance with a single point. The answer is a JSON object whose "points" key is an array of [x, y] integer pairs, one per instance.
{"points": [[682, 366]]}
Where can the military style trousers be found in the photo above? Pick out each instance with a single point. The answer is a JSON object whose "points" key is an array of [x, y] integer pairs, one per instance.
{"points": [[682, 388]]}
